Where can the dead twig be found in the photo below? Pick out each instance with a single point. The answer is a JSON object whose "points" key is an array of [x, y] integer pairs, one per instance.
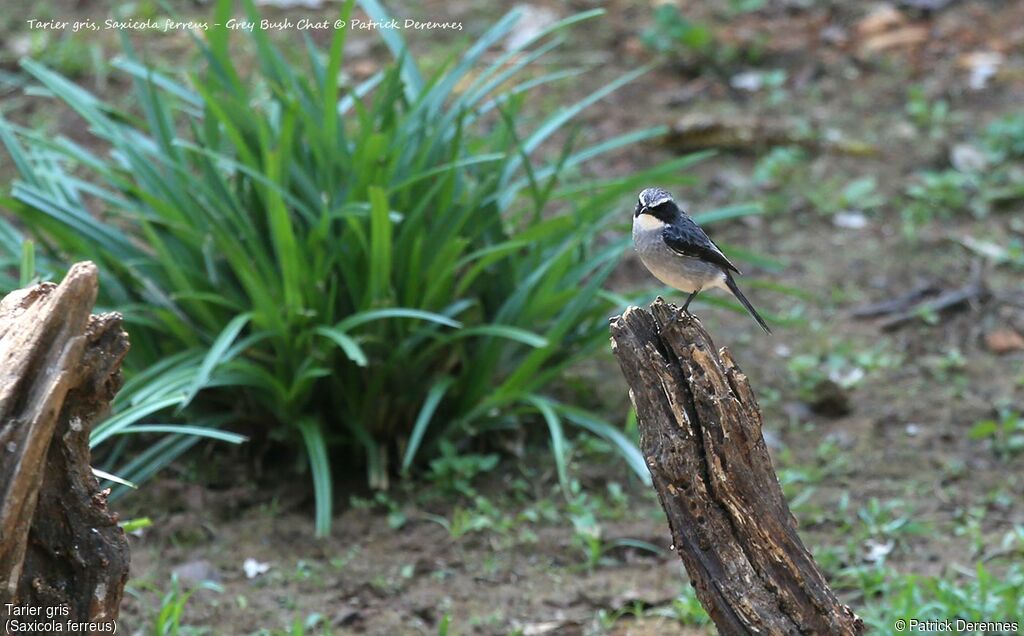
{"points": [[926, 299], [900, 303]]}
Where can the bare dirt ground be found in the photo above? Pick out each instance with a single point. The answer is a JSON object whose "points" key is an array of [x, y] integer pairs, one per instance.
{"points": [[879, 460]]}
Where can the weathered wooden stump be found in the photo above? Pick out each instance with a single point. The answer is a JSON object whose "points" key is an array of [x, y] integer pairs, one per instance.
{"points": [[62, 554], [700, 433]]}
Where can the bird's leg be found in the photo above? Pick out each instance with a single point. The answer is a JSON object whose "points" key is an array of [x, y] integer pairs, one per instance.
{"points": [[689, 298]]}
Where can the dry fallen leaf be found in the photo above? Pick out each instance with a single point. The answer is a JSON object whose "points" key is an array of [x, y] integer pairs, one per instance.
{"points": [[1004, 340], [906, 36], [882, 18], [982, 65]]}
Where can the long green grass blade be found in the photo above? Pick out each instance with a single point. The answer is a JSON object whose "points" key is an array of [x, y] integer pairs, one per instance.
{"points": [[346, 343], [27, 271], [216, 355], [316, 451], [620, 442], [186, 429], [410, 73], [506, 332], [558, 447], [419, 428], [127, 417], [371, 315]]}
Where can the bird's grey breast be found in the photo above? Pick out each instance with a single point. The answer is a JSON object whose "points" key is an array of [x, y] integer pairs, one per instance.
{"points": [[682, 272]]}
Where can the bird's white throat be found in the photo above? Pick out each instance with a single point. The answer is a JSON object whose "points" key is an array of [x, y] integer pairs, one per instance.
{"points": [[648, 223]]}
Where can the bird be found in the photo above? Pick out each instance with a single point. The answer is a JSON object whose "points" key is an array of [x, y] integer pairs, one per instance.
{"points": [[674, 248]]}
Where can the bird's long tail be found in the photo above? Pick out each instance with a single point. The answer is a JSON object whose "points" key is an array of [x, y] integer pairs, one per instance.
{"points": [[735, 289]]}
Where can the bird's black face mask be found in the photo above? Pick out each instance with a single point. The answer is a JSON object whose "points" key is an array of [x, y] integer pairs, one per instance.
{"points": [[664, 212], [658, 203]]}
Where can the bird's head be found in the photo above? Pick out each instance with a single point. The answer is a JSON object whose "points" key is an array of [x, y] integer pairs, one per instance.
{"points": [[657, 203]]}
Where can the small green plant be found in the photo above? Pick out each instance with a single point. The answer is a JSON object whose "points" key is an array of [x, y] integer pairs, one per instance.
{"points": [[588, 536], [687, 610], [72, 54], [930, 116], [969, 524], [842, 362], [586, 510], [1004, 137], [454, 473], [887, 520], [798, 480], [672, 33], [746, 6], [168, 619], [482, 515], [950, 366], [472, 520], [314, 623], [396, 515], [692, 44], [780, 166], [860, 195], [978, 596], [937, 195], [1004, 433]]}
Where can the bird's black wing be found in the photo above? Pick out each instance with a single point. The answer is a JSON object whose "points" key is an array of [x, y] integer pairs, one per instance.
{"points": [[686, 238]]}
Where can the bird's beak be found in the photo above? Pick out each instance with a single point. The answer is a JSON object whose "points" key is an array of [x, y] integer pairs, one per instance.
{"points": [[640, 210]]}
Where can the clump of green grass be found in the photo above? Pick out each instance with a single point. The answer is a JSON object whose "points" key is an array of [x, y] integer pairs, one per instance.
{"points": [[694, 44], [977, 596], [1005, 433], [1004, 137], [364, 271], [168, 618], [938, 195]]}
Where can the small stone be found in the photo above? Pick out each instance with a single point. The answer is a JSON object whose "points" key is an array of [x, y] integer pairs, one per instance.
{"points": [[198, 571], [850, 220], [967, 158], [751, 81]]}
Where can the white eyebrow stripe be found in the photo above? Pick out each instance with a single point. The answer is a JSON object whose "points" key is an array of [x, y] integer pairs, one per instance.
{"points": [[653, 197]]}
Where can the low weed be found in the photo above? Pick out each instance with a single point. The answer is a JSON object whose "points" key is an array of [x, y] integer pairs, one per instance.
{"points": [[1004, 433], [168, 619]]}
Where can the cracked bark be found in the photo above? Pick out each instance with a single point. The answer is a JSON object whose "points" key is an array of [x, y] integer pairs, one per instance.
{"points": [[700, 434], [59, 370]]}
